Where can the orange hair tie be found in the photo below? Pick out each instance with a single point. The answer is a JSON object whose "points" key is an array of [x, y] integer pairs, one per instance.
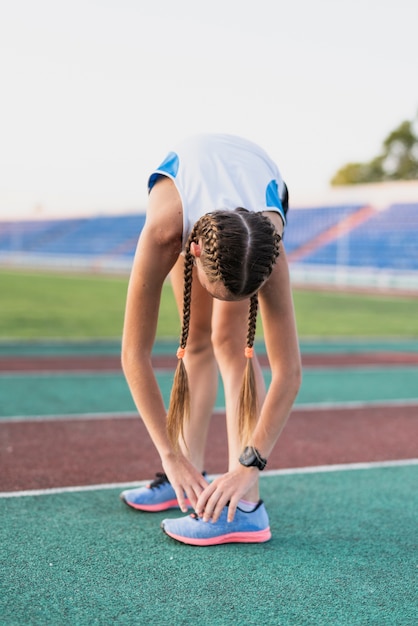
{"points": [[249, 352], [181, 352]]}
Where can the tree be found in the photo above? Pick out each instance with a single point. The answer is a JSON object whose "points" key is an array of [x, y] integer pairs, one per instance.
{"points": [[397, 161]]}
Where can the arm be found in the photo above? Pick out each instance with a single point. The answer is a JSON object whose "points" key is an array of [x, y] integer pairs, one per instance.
{"points": [[280, 335], [158, 248]]}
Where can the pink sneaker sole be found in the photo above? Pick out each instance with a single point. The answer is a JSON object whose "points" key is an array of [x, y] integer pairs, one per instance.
{"points": [[246, 527], [258, 536]]}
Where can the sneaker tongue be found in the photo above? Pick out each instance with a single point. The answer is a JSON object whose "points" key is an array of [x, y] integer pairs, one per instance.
{"points": [[160, 479]]}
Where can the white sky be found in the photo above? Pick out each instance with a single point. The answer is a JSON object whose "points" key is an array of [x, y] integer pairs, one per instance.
{"points": [[94, 92]]}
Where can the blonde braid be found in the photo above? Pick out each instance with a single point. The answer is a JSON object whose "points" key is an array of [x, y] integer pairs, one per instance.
{"points": [[248, 402], [179, 407]]}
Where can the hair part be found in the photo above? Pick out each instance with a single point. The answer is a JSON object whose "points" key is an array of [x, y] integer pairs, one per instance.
{"points": [[240, 249]]}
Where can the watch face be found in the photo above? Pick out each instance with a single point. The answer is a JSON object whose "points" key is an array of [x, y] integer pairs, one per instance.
{"points": [[247, 457], [250, 458]]}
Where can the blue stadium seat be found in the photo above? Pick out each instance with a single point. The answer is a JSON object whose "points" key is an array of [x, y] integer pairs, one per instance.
{"points": [[307, 223], [386, 240], [95, 236]]}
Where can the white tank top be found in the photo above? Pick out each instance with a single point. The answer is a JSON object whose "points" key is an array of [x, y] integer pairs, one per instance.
{"points": [[219, 171]]}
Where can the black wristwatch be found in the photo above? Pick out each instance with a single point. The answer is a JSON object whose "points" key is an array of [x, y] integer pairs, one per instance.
{"points": [[252, 458]]}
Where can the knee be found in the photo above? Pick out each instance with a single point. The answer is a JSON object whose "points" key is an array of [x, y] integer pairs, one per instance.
{"points": [[199, 344], [228, 343]]}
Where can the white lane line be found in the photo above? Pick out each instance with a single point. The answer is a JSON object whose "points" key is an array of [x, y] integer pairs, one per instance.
{"points": [[69, 416], [344, 467]]}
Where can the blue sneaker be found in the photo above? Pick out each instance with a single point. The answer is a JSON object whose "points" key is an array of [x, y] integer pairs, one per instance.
{"points": [[159, 495], [252, 527]]}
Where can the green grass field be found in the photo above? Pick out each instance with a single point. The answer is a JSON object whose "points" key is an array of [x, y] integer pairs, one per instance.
{"points": [[38, 305]]}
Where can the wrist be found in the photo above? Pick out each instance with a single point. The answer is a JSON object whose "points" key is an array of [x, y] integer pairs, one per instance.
{"points": [[169, 455]]}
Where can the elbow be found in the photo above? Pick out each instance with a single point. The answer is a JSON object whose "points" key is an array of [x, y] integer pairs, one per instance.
{"points": [[125, 362], [295, 378], [287, 380], [134, 360], [128, 360]]}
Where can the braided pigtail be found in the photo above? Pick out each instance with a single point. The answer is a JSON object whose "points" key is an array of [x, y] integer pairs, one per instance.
{"points": [[238, 248], [179, 407], [248, 404]]}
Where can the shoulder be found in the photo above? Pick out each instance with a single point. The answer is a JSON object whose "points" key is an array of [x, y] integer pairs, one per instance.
{"points": [[277, 220], [164, 220]]}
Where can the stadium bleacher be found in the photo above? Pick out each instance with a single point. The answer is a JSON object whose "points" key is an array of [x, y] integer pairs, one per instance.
{"points": [[306, 224], [82, 236], [387, 240], [97, 236], [350, 237]]}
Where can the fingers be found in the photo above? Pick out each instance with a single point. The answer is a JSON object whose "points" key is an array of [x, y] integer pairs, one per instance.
{"points": [[213, 500], [212, 507], [182, 500], [187, 482], [196, 490], [231, 511], [224, 491], [192, 491], [203, 499]]}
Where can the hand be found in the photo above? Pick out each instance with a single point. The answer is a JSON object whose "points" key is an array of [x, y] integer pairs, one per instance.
{"points": [[185, 479], [229, 488]]}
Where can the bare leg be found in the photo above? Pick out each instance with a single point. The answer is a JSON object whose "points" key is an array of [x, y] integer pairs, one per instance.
{"points": [[230, 321], [200, 364]]}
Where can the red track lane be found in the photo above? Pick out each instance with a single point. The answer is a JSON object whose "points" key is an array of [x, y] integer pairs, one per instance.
{"points": [[112, 363], [40, 455], [73, 452]]}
